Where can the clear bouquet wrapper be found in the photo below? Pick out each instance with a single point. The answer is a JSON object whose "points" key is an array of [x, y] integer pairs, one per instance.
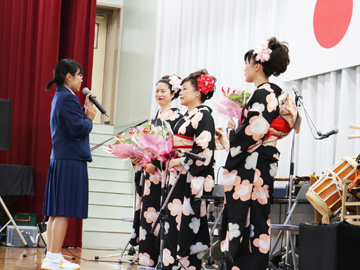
{"points": [[155, 138], [231, 106], [125, 148]]}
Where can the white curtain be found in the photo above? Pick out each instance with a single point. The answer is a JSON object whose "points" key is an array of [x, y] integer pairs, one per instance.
{"points": [[215, 34]]}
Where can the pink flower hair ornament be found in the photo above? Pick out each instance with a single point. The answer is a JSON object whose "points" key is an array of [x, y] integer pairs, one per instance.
{"points": [[262, 53], [175, 82], [205, 84]]}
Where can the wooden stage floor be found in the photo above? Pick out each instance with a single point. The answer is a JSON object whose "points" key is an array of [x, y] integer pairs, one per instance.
{"points": [[11, 258]]}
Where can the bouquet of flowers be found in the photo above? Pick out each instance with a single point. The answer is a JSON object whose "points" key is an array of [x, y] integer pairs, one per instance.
{"points": [[124, 148], [155, 138], [231, 106]]}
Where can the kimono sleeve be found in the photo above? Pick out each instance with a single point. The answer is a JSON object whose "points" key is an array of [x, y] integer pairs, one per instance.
{"points": [[262, 110]]}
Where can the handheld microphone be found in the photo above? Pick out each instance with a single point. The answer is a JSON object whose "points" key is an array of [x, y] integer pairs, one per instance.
{"points": [[96, 103], [329, 133], [192, 155]]}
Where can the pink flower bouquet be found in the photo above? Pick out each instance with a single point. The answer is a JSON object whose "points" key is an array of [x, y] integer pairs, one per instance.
{"points": [[231, 106], [125, 148], [155, 138]]}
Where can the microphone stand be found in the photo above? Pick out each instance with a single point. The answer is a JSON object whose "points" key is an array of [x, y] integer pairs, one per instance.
{"points": [[162, 217], [318, 136]]}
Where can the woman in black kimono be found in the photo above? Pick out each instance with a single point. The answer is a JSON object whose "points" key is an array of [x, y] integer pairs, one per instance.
{"points": [[252, 163], [186, 229], [148, 190]]}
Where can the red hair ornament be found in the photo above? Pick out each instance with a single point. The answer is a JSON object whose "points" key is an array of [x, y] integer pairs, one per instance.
{"points": [[205, 84]]}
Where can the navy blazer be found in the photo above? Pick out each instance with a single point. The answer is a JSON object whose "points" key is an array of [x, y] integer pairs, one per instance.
{"points": [[69, 126]]}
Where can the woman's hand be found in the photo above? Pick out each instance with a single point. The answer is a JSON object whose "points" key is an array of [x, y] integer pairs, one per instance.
{"points": [[90, 112], [135, 160], [150, 168], [232, 124], [175, 163], [88, 102]]}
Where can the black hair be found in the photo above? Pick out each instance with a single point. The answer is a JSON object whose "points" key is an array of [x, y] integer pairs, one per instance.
{"points": [[279, 58], [62, 68], [166, 79], [193, 79]]}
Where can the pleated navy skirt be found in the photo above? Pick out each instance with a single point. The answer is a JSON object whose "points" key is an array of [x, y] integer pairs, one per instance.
{"points": [[67, 189]]}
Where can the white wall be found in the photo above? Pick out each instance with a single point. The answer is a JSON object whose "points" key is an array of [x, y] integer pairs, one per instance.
{"points": [[136, 61]]}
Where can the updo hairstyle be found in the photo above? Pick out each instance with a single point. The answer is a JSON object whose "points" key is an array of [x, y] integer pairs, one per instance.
{"points": [[279, 58]]}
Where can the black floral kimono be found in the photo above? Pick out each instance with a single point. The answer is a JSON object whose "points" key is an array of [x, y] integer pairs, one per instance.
{"points": [[248, 182], [148, 192], [186, 230]]}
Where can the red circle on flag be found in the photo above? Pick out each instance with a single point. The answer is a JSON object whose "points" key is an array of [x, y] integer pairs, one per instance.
{"points": [[331, 21]]}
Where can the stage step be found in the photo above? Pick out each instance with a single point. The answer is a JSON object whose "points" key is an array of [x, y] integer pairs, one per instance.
{"points": [[111, 195]]}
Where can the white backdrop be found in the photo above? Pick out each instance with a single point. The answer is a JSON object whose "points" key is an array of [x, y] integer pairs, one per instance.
{"points": [[215, 34]]}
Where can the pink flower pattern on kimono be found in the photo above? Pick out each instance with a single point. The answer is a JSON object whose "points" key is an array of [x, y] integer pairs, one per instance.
{"points": [[151, 215], [187, 209], [155, 178], [168, 115], [261, 194], [234, 230], [224, 245], [263, 243], [167, 258], [138, 200], [207, 154], [248, 219], [255, 146], [193, 112], [267, 87], [204, 139], [147, 188], [243, 191], [230, 179], [197, 247], [175, 207], [184, 261], [182, 129], [203, 210], [209, 183], [144, 259], [196, 119], [257, 127], [273, 102], [258, 181]]}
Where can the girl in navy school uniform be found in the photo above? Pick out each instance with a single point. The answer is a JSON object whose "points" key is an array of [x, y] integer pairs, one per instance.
{"points": [[66, 193]]}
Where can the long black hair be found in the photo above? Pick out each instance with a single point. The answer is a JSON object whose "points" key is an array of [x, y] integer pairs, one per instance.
{"points": [[62, 68]]}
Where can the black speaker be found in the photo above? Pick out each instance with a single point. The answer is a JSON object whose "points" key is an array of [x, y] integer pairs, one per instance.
{"points": [[5, 124]]}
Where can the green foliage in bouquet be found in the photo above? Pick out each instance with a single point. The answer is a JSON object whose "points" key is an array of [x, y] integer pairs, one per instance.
{"points": [[239, 98]]}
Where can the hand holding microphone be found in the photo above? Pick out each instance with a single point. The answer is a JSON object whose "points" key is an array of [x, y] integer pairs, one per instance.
{"points": [[90, 112], [86, 91]]}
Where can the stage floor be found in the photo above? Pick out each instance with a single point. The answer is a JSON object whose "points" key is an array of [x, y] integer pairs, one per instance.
{"points": [[11, 258]]}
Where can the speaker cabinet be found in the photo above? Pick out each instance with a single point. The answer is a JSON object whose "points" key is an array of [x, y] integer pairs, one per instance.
{"points": [[5, 124]]}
